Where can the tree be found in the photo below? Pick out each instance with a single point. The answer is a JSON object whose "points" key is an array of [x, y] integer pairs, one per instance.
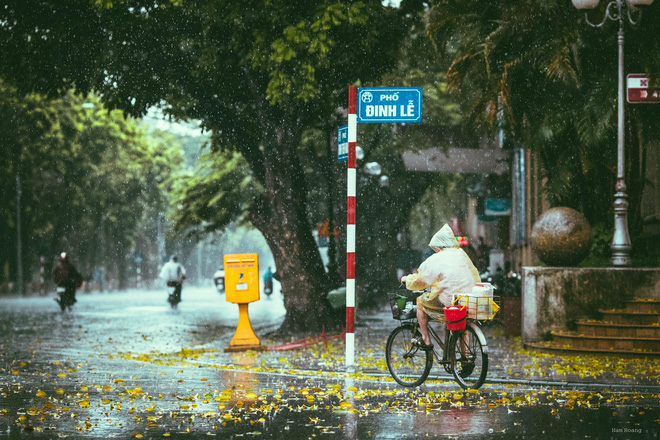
{"points": [[224, 185], [90, 181], [257, 75], [550, 80]]}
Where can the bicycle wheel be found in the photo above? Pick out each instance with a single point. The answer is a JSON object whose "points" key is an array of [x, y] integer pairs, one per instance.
{"points": [[408, 365], [468, 358]]}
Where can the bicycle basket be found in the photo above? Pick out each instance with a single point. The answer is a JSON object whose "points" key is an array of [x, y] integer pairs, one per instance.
{"points": [[402, 304], [481, 303]]}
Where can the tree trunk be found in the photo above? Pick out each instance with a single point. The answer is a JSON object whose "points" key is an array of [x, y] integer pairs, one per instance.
{"points": [[281, 216]]}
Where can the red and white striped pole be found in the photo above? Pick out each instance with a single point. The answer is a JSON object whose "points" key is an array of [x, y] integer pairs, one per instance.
{"points": [[350, 227]]}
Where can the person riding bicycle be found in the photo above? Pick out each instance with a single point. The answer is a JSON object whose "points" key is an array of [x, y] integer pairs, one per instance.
{"points": [[65, 275], [173, 273], [448, 271]]}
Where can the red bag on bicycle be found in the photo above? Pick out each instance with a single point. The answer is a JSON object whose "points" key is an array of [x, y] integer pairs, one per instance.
{"points": [[456, 316]]}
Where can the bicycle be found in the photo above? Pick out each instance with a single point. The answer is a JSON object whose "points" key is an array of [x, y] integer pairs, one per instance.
{"points": [[464, 352]]}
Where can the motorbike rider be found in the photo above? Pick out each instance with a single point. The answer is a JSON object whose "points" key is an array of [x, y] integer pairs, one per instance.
{"points": [[268, 281], [65, 275], [448, 271], [174, 273]]}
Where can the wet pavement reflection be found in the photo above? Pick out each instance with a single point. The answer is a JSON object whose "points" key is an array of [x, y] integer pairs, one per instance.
{"points": [[125, 365]]}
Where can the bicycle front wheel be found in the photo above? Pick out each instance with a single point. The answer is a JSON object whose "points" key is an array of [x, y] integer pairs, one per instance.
{"points": [[468, 358], [408, 365]]}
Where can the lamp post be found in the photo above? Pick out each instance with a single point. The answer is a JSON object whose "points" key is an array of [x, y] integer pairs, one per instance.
{"points": [[621, 11]]}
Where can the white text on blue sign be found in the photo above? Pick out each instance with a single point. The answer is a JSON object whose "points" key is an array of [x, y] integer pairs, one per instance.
{"points": [[342, 143], [389, 104]]}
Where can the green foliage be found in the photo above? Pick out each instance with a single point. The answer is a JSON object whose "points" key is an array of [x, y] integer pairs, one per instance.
{"points": [[602, 239], [86, 175], [218, 192], [538, 71]]}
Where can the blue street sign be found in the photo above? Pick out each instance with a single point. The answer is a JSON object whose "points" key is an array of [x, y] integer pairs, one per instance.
{"points": [[389, 104], [342, 143]]}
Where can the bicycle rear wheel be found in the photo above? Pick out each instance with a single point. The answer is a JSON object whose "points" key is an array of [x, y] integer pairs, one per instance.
{"points": [[468, 358], [408, 365]]}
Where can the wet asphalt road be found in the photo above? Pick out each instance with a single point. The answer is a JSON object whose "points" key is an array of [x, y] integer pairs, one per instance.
{"points": [[125, 365]]}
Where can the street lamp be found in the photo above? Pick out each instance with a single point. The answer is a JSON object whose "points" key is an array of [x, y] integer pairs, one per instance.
{"points": [[621, 11]]}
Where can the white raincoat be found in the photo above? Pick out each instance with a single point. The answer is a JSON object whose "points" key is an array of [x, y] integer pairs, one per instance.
{"points": [[173, 271], [446, 272]]}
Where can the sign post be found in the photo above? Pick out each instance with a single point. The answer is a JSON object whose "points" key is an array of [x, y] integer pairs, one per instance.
{"points": [[368, 105], [389, 104], [639, 90], [342, 143], [351, 179]]}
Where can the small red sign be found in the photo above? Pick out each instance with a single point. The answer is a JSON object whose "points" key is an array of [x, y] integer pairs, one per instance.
{"points": [[639, 90]]}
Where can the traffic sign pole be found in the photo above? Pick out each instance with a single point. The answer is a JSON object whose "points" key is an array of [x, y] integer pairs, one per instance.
{"points": [[350, 226], [369, 105]]}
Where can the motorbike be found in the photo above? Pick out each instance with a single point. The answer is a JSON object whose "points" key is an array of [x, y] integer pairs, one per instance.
{"points": [[507, 284], [268, 287], [173, 293], [219, 281], [67, 297]]}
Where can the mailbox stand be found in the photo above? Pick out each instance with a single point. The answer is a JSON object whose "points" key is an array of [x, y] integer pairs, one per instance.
{"points": [[242, 287]]}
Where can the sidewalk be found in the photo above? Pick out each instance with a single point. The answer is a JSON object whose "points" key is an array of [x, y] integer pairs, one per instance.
{"points": [[509, 362]]}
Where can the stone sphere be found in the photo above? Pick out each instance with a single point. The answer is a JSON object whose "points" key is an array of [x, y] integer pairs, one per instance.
{"points": [[561, 237]]}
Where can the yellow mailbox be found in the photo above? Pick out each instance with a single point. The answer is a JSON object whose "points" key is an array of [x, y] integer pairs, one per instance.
{"points": [[242, 287], [242, 278]]}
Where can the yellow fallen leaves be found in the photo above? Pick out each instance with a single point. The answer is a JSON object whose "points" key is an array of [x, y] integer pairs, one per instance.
{"points": [[137, 391], [41, 394]]}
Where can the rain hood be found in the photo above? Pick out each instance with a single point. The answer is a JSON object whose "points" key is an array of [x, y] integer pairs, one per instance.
{"points": [[444, 238]]}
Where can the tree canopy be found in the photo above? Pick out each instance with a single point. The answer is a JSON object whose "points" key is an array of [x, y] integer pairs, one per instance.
{"points": [[257, 74], [538, 71], [88, 180]]}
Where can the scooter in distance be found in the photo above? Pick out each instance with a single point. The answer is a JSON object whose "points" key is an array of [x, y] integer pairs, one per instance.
{"points": [[219, 281], [268, 287], [67, 297], [173, 293]]}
